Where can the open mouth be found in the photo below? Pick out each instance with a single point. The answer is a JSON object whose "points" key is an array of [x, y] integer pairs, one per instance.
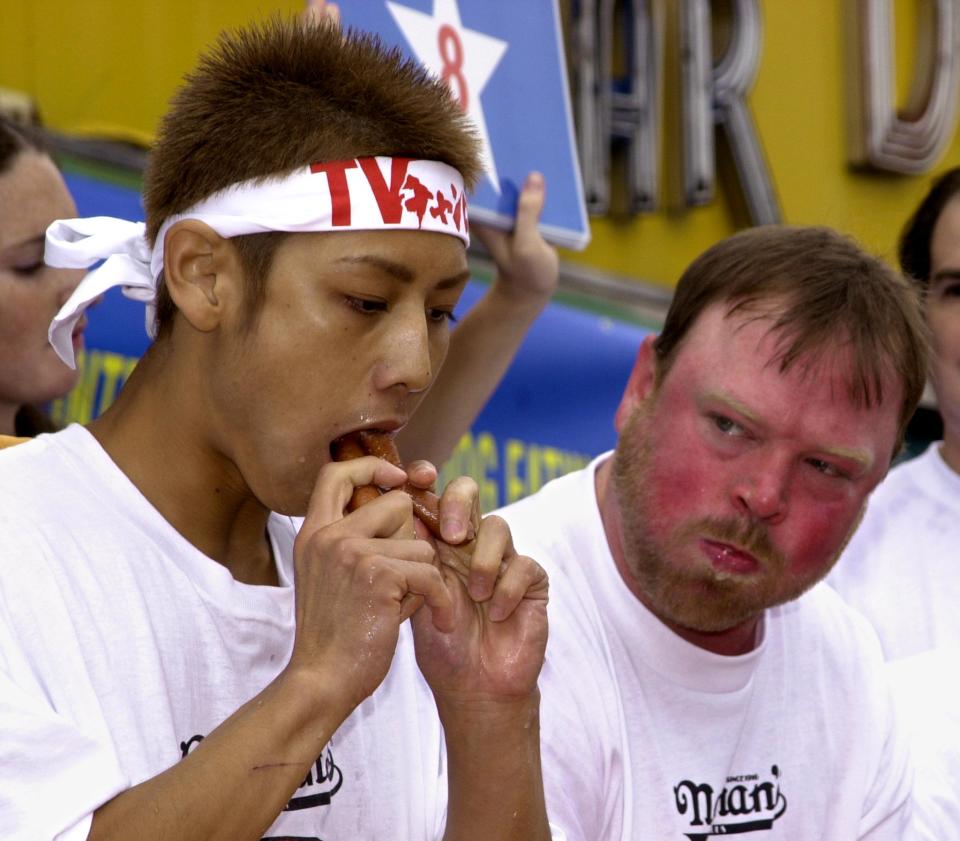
{"points": [[373, 441]]}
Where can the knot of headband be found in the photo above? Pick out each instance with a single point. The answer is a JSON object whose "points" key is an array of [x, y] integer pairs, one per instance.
{"points": [[361, 194]]}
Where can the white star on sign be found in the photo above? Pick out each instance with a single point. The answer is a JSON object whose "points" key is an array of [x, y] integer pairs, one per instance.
{"points": [[463, 58]]}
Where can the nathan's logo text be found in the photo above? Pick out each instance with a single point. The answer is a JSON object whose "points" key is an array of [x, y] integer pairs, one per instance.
{"points": [[735, 809]]}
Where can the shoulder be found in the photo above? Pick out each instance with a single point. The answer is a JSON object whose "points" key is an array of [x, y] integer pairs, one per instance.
{"points": [[819, 631], [31, 471], [552, 524]]}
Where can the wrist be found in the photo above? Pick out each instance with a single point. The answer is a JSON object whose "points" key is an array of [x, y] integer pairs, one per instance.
{"points": [[319, 701], [523, 300], [481, 717]]}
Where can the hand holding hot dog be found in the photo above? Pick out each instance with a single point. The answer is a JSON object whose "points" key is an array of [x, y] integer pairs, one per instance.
{"points": [[495, 641], [358, 577]]}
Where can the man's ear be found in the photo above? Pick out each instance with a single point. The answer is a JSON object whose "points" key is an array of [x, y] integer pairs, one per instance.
{"points": [[200, 273], [643, 379]]}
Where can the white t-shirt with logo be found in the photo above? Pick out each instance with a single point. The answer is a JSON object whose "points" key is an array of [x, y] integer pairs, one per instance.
{"points": [[902, 566], [646, 736], [122, 646]]}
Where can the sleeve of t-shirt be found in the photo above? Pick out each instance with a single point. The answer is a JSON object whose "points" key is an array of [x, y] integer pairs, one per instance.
{"points": [[887, 814], [926, 687], [53, 776]]}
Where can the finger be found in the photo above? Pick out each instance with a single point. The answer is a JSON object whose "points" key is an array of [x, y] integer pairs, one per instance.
{"points": [[426, 581], [522, 578], [336, 483], [529, 207], [494, 543], [395, 548], [422, 474], [321, 11], [409, 605], [391, 515], [459, 508]]}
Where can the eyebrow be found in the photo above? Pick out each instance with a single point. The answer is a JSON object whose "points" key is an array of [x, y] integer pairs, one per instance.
{"points": [[945, 274], [399, 271], [858, 456], [35, 242]]}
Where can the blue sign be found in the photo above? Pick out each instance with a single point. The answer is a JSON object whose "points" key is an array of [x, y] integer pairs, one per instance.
{"points": [[505, 65]]}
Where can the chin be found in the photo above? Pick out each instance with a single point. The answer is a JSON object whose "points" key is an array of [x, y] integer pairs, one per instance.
{"points": [[287, 491]]}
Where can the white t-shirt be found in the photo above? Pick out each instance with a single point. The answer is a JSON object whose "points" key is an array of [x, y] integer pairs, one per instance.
{"points": [[927, 688], [646, 736], [122, 646], [902, 566]]}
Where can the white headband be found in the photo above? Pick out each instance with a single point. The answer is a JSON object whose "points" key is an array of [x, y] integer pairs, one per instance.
{"points": [[359, 195]]}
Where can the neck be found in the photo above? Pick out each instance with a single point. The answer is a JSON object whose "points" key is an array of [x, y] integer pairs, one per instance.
{"points": [[740, 639], [950, 450], [8, 415], [156, 434]]}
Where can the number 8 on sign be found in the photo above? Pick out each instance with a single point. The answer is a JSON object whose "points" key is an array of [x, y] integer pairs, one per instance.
{"points": [[451, 51]]}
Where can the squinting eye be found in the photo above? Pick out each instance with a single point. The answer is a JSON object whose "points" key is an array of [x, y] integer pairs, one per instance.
{"points": [[366, 305], [952, 291], [826, 468]]}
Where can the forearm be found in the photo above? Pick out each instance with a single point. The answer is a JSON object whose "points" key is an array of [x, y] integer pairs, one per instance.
{"points": [[236, 782], [495, 781], [481, 349]]}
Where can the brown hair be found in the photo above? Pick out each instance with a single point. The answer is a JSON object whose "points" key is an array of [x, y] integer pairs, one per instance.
{"points": [[278, 95], [823, 290], [914, 249], [16, 138]]}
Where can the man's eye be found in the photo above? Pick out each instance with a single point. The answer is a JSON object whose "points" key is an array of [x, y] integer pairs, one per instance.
{"points": [[366, 305], [952, 290], [28, 270], [438, 314], [727, 426], [826, 468]]}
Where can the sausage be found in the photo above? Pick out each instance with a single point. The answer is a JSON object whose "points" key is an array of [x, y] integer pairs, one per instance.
{"points": [[426, 505]]}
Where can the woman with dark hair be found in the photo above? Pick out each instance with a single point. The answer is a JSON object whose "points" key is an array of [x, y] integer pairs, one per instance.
{"points": [[32, 195]]}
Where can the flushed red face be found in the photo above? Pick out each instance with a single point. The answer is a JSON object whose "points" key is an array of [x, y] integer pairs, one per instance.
{"points": [[737, 484]]}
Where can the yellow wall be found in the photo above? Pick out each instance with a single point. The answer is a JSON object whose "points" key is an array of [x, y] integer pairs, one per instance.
{"points": [[112, 65]]}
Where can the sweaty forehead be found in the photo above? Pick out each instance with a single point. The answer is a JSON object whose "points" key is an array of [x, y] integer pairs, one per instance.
{"points": [[746, 347]]}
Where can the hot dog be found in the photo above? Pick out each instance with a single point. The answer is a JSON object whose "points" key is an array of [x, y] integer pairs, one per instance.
{"points": [[426, 505]]}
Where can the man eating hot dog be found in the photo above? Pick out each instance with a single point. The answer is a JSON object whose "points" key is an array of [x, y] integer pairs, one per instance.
{"points": [[176, 659]]}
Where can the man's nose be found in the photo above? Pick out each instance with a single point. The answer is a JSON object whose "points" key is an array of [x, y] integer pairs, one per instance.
{"points": [[761, 490], [405, 358]]}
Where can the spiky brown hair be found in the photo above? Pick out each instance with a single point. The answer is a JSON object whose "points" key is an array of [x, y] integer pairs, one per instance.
{"points": [[274, 96]]}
